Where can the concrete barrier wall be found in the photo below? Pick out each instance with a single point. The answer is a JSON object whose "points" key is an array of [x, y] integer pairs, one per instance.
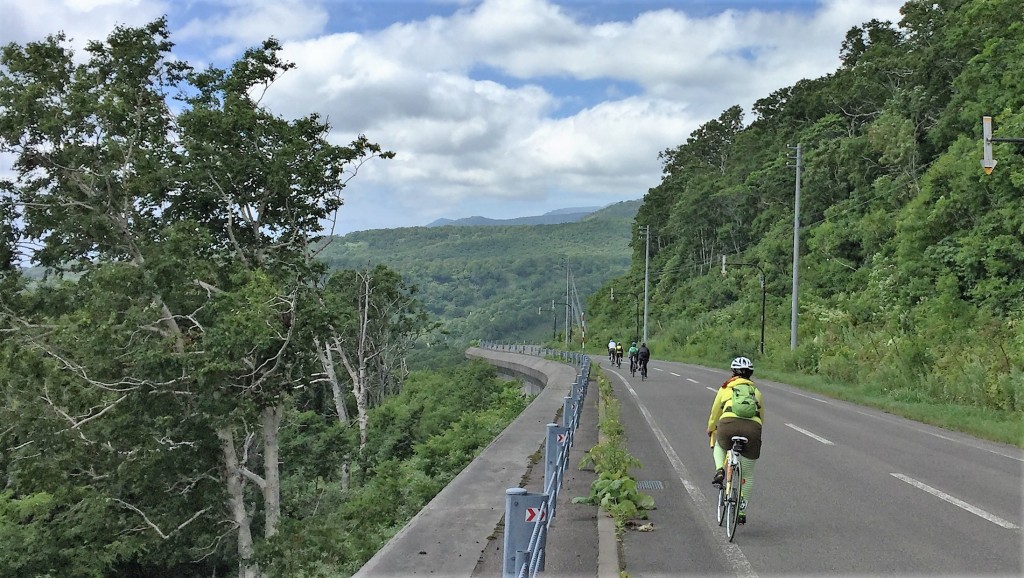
{"points": [[447, 537]]}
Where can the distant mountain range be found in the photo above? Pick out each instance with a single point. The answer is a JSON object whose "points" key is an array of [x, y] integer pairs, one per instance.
{"points": [[498, 282], [573, 215]]}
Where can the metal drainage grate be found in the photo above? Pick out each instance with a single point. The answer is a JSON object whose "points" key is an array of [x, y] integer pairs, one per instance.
{"points": [[649, 485]]}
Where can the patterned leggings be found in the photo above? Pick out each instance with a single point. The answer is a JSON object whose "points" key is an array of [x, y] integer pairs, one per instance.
{"points": [[748, 466]]}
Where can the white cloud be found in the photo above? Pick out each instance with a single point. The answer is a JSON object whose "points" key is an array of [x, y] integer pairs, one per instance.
{"points": [[245, 23], [480, 105], [90, 5], [81, 20]]}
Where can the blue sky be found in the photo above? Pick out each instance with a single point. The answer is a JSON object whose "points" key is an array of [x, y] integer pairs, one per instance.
{"points": [[498, 108]]}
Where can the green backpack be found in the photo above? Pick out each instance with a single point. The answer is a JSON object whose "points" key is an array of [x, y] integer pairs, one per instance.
{"points": [[744, 400]]}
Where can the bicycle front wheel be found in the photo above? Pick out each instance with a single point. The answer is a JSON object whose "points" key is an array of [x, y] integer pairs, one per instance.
{"points": [[733, 499], [721, 504]]}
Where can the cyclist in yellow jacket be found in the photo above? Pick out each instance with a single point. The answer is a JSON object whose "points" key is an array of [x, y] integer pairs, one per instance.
{"points": [[723, 423]]}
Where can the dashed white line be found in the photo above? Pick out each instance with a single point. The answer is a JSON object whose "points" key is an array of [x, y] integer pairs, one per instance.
{"points": [[674, 373], [692, 380], [809, 434], [902, 422], [657, 369], [956, 502], [817, 399], [711, 389]]}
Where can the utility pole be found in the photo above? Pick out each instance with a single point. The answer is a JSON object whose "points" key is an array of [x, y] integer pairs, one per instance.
{"points": [[796, 247], [647, 266], [554, 325], [568, 308]]}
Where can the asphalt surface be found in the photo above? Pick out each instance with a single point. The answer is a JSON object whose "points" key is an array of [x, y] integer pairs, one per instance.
{"points": [[840, 490]]}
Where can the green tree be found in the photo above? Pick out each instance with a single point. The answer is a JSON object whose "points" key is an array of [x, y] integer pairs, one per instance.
{"points": [[367, 323], [908, 251], [164, 367]]}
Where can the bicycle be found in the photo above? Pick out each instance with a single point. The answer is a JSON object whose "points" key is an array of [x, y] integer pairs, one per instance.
{"points": [[730, 489], [618, 359], [632, 365], [643, 369]]}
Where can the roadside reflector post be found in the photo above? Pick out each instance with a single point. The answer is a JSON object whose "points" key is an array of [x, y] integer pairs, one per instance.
{"points": [[519, 506], [552, 447]]}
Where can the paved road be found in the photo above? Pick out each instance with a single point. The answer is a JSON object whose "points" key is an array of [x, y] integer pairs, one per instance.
{"points": [[840, 489]]}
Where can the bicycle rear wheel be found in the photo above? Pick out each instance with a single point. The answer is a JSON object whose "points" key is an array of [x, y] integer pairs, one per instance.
{"points": [[735, 481]]}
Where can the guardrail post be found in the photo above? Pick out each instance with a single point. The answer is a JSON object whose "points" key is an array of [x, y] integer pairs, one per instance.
{"points": [[521, 511], [556, 438]]}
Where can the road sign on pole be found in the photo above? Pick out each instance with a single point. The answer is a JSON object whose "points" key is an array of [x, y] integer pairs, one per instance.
{"points": [[987, 162]]}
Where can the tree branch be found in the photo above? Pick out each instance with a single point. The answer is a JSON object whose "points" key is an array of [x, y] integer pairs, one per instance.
{"points": [[156, 528], [253, 477]]}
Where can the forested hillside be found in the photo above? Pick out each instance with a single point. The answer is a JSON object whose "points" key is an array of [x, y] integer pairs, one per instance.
{"points": [[497, 282], [911, 277]]}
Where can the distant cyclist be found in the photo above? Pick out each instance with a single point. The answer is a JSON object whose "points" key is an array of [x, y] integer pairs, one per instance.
{"points": [[632, 356], [611, 351], [729, 417], [643, 355], [618, 354]]}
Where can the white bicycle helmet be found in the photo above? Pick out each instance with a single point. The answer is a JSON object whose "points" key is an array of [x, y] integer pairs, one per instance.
{"points": [[741, 363]]}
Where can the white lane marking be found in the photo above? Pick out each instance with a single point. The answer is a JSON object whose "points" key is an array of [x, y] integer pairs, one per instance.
{"points": [[675, 374], [819, 400], [740, 566], [657, 369], [692, 380], [809, 434], [949, 439], [940, 436], [956, 502], [712, 389], [904, 422]]}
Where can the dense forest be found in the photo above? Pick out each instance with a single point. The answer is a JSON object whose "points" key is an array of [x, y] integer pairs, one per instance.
{"points": [[910, 255], [497, 282], [187, 391]]}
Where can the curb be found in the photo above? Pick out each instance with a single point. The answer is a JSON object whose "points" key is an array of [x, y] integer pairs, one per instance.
{"points": [[608, 548], [608, 562]]}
